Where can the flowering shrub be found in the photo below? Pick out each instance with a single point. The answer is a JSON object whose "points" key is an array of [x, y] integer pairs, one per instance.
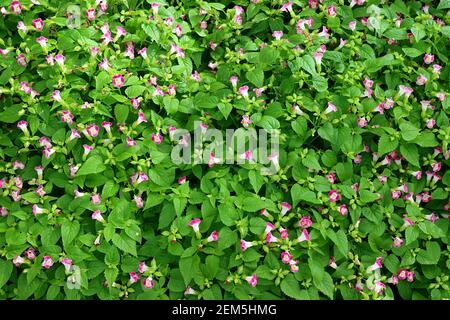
{"points": [[94, 207]]}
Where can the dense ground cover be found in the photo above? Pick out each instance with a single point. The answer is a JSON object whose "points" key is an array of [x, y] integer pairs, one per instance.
{"points": [[93, 206]]}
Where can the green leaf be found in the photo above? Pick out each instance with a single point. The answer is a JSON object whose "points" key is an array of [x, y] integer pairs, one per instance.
{"points": [[228, 214], [300, 126], [92, 165], [291, 287], [418, 32], [325, 285], [308, 64], [188, 267], [256, 180], [411, 154], [109, 189], [340, 240], [152, 31], [212, 266], [409, 131], [320, 83], [227, 238], [134, 91], [6, 268], [124, 243], [385, 144], [426, 139], [255, 76], [344, 171], [11, 114], [121, 112], [69, 231], [431, 255], [299, 193], [412, 52], [444, 4], [367, 196]]}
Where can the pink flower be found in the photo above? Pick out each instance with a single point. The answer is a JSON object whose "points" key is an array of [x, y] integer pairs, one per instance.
{"points": [[393, 279], [213, 237], [264, 212], [134, 277], [16, 7], [48, 262], [402, 274], [213, 160], [138, 200], [67, 263], [411, 275], [421, 80], [30, 253], [59, 58], [120, 31], [182, 180], [270, 238], [142, 267], [90, 14], [331, 108], [18, 261], [157, 138], [352, 25], [234, 80], [148, 283], [318, 57], [428, 58], [92, 130], [377, 265], [332, 263], [403, 90], [269, 227], [287, 7], [246, 121], [155, 7], [22, 125], [37, 210], [195, 223], [285, 207], [245, 245], [118, 81], [252, 280], [96, 215], [178, 30], [196, 76], [284, 234], [171, 90], [305, 222], [397, 242], [107, 126], [333, 196], [286, 257], [379, 287], [277, 34], [304, 236], [22, 60], [362, 122], [331, 11], [38, 24], [95, 198], [141, 118], [243, 91], [343, 211]]}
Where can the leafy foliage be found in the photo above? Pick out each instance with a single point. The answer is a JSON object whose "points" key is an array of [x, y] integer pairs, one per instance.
{"points": [[92, 207]]}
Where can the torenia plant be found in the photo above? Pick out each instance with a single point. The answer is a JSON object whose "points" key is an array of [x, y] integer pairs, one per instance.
{"points": [[247, 150]]}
